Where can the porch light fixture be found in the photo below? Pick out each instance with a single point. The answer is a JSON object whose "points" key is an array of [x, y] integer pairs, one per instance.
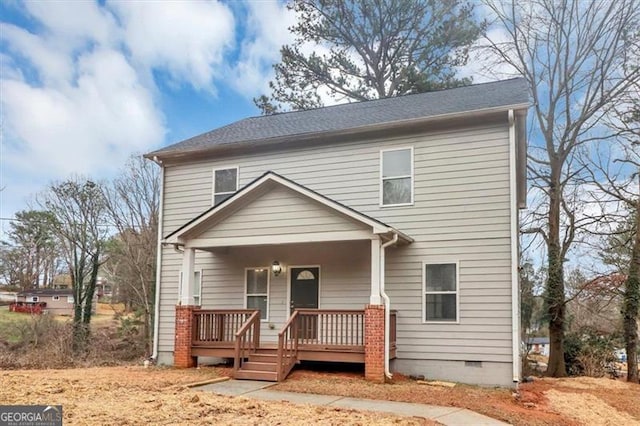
{"points": [[276, 268]]}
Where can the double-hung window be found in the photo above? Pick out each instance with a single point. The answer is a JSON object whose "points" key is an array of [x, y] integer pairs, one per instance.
{"points": [[441, 291], [225, 184], [257, 290], [197, 287], [396, 177]]}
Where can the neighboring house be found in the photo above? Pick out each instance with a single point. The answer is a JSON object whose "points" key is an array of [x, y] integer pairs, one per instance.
{"points": [[538, 345], [8, 296], [58, 301], [381, 232]]}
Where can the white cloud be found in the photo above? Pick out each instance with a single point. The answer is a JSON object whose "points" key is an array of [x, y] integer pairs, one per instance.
{"points": [[187, 39], [266, 31], [74, 23], [78, 93], [75, 128], [52, 66]]}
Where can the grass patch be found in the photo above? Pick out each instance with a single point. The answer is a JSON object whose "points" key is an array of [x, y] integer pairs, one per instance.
{"points": [[10, 324]]}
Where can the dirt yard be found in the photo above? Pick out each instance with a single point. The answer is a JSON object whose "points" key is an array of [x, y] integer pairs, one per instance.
{"points": [[572, 401], [137, 396]]}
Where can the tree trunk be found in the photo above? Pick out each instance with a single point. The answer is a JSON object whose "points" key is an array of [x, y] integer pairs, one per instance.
{"points": [[90, 290], [631, 305], [147, 332], [554, 295]]}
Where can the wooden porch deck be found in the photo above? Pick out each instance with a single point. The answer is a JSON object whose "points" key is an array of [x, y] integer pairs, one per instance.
{"points": [[309, 335]]}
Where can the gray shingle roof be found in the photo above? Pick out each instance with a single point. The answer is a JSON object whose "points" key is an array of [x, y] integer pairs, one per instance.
{"points": [[46, 292], [358, 114]]}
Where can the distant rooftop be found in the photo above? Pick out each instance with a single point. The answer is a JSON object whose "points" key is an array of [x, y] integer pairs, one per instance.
{"points": [[357, 115], [46, 292]]}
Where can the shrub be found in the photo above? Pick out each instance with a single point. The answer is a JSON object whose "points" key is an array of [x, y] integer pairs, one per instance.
{"points": [[45, 342], [587, 352]]}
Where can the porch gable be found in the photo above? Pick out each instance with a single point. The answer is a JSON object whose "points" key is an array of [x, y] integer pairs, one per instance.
{"points": [[275, 210]]}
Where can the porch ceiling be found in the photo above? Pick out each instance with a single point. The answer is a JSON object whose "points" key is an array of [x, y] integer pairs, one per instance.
{"points": [[276, 210]]}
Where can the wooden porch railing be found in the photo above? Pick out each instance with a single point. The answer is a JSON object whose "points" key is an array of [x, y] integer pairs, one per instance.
{"points": [[247, 340], [288, 346], [334, 329], [217, 328]]}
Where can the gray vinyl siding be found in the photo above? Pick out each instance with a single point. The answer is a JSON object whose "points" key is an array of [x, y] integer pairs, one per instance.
{"points": [[461, 212], [280, 211]]}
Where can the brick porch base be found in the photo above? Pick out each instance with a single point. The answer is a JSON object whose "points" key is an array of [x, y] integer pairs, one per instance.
{"points": [[374, 343], [184, 331]]}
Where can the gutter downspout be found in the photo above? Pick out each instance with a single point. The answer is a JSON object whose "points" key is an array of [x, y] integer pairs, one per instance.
{"points": [[387, 305], [156, 315], [515, 290]]}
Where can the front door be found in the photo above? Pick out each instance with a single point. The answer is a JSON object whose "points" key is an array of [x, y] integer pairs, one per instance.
{"points": [[304, 295], [304, 288]]}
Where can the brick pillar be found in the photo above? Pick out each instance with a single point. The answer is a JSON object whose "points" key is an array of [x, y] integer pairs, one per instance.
{"points": [[182, 350], [374, 343]]}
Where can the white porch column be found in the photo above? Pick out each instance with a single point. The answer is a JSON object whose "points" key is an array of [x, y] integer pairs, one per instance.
{"points": [[375, 298], [188, 282]]}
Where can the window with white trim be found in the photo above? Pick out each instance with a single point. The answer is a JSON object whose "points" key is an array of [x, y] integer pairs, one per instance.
{"points": [[69, 299], [257, 290], [225, 184], [34, 299], [396, 175], [440, 292], [197, 287]]}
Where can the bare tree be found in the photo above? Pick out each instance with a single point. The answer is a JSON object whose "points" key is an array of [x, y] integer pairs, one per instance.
{"points": [[78, 209], [572, 54], [616, 174], [133, 205]]}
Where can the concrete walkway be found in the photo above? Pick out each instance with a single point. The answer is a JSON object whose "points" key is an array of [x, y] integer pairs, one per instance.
{"points": [[260, 390]]}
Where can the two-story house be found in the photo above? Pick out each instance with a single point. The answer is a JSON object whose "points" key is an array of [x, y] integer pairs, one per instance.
{"points": [[381, 232]]}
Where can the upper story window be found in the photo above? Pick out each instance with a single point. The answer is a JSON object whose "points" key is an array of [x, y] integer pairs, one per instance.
{"points": [[396, 175], [225, 184]]}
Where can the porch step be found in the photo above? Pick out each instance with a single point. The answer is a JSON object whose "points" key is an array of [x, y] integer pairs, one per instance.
{"points": [[263, 357], [269, 376], [259, 366]]}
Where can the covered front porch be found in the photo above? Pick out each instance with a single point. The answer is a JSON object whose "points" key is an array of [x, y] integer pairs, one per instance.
{"points": [[276, 275]]}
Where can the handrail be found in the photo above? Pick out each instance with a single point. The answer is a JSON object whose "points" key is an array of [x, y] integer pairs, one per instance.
{"points": [[225, 311], [249, 330], [287, 346]]}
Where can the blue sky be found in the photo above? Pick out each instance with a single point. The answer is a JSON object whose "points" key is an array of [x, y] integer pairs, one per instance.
{"points": [[83, 85]]}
